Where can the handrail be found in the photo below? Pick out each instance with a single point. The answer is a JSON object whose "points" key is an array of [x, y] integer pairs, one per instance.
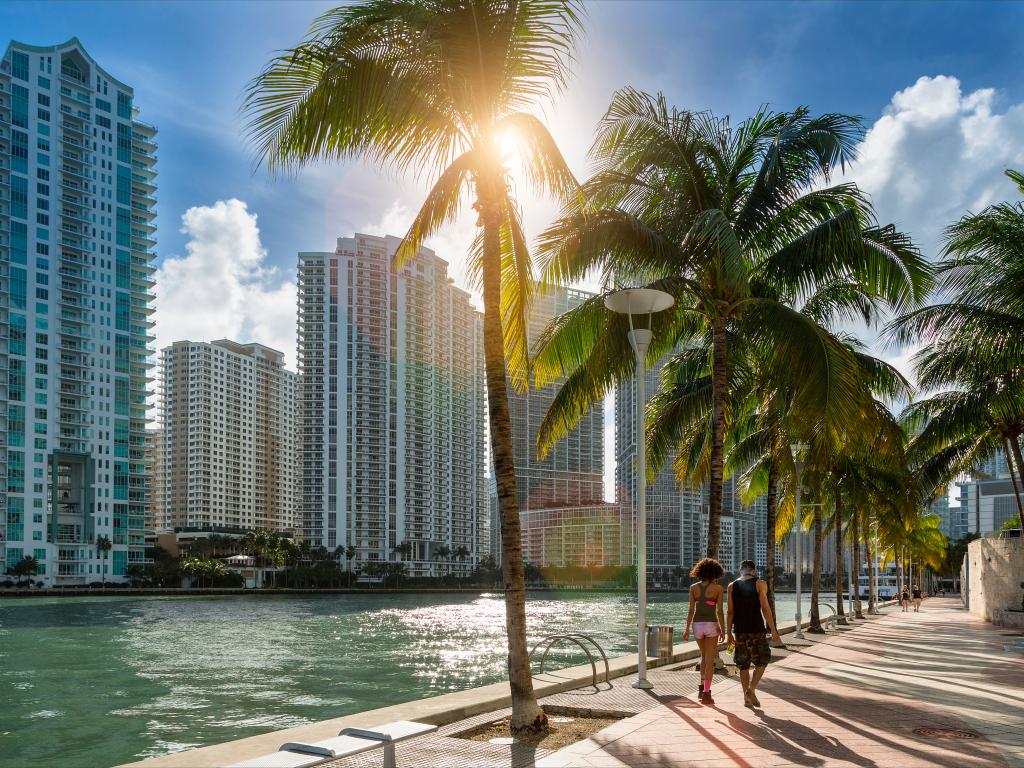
{"points": [[590, 639], [578, 638]]}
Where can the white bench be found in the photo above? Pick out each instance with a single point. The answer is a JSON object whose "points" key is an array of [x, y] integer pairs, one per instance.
{"points": [[349, 742]]}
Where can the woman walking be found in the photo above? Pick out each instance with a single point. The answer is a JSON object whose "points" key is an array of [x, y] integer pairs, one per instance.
{"points": [[707, 620], [916, 592], [905, 600]]}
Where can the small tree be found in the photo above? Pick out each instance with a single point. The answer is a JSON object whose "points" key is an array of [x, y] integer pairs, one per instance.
{"points": [[27, 566]]}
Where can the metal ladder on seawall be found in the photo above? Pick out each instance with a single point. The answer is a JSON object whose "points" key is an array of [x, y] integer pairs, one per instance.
{"points": [[584, 641]]}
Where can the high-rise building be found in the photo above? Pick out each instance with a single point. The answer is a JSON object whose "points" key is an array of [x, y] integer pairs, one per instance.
{"points": [[154, 457], [572, 473], [994, 467], [987, 499], [77, 232], [227, 454], [677, 513], [390, 407], [564, 518], [985, 506]]}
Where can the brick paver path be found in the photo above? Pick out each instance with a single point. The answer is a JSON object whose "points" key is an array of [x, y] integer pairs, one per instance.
{"points": [[852, 699]]}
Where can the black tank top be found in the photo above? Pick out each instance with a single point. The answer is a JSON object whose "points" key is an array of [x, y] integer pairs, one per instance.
{"points": [[746, 607]]}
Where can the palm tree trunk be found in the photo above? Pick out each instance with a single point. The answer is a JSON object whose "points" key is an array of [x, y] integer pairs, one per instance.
{"points": [[1011, 442], [872, 584], [837, 529], [719, 382], [855, 564], [815, 617], [526, 713], [771, 503]]}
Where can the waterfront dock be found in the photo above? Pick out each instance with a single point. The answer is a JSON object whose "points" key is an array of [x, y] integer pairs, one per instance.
{"points": [[899, 690]]}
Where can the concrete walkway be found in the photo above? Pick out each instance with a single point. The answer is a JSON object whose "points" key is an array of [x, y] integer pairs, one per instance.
{"points": [[892, 692]]}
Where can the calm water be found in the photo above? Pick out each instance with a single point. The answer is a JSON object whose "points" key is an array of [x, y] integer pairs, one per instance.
{"points": [[101, 681]]}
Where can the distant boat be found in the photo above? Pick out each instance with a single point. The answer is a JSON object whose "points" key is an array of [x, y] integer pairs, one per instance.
{"points": [[886, 586]]}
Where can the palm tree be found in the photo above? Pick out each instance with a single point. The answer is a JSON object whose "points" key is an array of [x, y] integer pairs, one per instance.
{"points": [[443, 553], [439, 86], [27, 566], [104, 545], [729, 221], [974, 349], [461, 553]]}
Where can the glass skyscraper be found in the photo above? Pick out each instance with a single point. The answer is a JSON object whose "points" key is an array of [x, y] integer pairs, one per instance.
{"points": [[77, 232]]}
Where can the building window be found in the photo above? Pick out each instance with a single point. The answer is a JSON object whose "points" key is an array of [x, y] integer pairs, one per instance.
{"points": [[19, 65]]}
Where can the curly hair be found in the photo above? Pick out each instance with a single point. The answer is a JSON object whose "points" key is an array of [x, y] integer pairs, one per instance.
{"points": [[707, 569]]}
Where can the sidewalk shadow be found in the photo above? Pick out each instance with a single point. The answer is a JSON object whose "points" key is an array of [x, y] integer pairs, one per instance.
{"points": [[842, 708]]}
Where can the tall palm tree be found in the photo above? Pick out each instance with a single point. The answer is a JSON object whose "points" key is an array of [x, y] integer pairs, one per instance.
{"points": [[438, 86], [727, 220], [974, 349], [104, 545]]}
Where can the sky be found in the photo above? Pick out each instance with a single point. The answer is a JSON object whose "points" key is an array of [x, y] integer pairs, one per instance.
{"points": [[938, 85]]}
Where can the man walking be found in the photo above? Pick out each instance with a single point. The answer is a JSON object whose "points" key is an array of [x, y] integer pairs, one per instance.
{"points": [[749, 612]]}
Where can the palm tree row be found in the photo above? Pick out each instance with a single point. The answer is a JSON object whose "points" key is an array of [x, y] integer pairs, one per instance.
{"points": [[765, 255]]}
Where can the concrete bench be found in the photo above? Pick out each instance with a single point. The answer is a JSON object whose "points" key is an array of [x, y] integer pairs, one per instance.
{"points": [[349, 742]]}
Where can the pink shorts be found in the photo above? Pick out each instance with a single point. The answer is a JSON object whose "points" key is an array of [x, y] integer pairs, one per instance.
{"points": [[702, 629]]}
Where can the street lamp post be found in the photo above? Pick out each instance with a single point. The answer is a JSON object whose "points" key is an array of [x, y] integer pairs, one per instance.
{"points": [[630, 302], [797, 449]]}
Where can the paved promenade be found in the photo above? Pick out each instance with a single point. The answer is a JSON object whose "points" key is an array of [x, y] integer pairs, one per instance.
{"points": [[891, 692]]}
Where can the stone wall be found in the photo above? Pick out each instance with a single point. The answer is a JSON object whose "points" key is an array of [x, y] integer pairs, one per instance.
{"points": [[993, 570]]}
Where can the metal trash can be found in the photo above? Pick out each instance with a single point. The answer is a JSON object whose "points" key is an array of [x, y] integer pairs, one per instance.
{"points": [[659, 642]]}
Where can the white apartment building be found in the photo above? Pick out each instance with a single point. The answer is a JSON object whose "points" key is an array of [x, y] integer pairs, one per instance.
{"points": [[390, 406], [226, 453], [77, 233]]}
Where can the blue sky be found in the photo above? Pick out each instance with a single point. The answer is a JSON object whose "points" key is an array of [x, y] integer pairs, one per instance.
{"points": [[939, 86], [189, 62]]}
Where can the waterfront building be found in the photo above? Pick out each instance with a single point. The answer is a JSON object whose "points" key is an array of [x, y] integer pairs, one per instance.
{"points": [[154, 457], [677, 513], [227, 458], [985, 505], [562, 512], [828, 552], [77, 233], [595, 534], [572, 473], [390, 407]]}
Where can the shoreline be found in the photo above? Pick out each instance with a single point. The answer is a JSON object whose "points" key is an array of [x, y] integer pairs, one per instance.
{"points": [[276, 591], [270, 592], [440, 710]]}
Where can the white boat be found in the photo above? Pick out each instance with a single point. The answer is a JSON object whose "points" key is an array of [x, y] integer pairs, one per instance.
{"points": [[886, 585]]}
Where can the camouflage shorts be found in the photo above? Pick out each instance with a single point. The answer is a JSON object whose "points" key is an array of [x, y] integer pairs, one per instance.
{"points": [[752, 649]]}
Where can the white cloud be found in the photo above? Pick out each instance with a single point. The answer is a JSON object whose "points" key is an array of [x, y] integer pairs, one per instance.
{"points": [[222, 288], [936, 153]]}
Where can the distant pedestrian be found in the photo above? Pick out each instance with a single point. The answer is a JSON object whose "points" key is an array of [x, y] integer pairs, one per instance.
{"points": [[705, 617], [905, 600], [749, 613], [917, 598]]}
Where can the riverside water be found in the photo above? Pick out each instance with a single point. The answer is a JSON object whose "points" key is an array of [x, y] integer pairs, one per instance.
{"points": [[99, 681]]}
